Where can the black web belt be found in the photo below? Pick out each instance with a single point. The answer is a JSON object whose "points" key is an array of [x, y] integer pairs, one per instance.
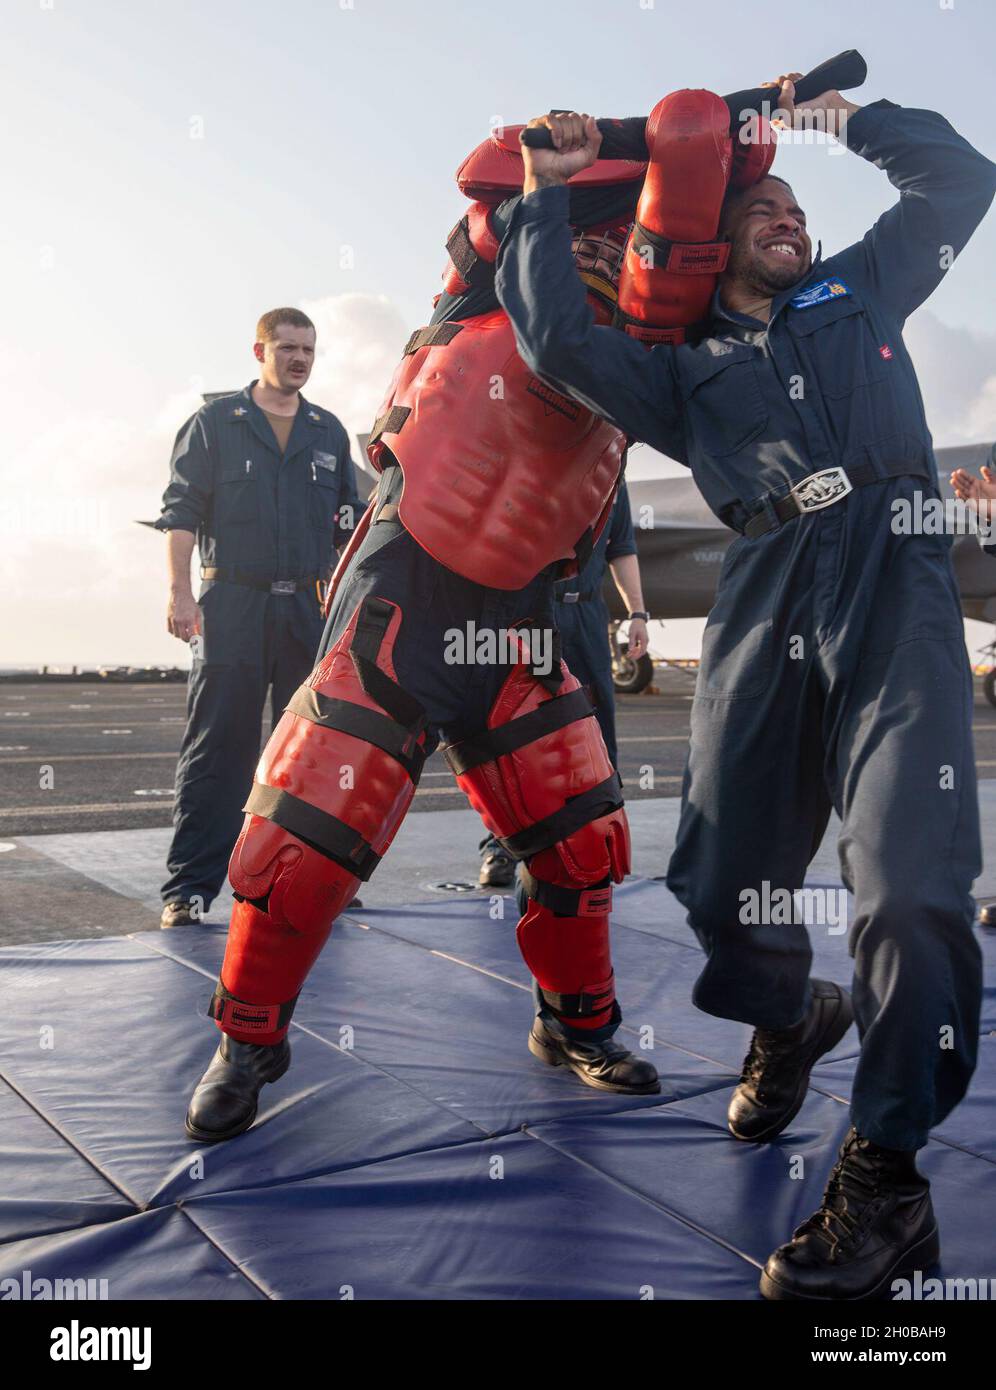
{"points": [[231, 575], [770, 513]]}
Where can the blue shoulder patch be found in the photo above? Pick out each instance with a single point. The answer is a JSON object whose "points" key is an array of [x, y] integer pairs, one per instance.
{"points": [[819, 293]]}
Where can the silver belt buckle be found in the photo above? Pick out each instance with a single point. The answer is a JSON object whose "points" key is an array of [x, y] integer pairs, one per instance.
{"points": [[572, 596], [284, 586], [821, 489]]}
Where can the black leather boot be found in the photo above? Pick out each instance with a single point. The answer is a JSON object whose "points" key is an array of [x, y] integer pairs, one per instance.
{"points": [[224, 1103], [876, 1224], [497, 865], [603, 1063], [776, 1069]]}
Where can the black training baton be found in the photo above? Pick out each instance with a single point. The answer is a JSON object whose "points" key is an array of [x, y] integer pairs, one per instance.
{"points": [[627, 139]]}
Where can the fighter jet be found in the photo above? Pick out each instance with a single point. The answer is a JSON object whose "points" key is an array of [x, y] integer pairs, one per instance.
{"points": [[681, 546]]}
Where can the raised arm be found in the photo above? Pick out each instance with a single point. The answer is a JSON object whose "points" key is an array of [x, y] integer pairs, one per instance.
{"points": [[945, 188], [539, 288]]}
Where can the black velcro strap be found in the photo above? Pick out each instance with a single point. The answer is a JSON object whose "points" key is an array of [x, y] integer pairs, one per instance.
{"points": [[460, 250], [367, 724], [583, 548], [325, 833], [567, 902], [681, 257], [580, 1005], [436, 335], [579, 811], [372, 623], [226, 1009], [494, 743], [390, 422]]}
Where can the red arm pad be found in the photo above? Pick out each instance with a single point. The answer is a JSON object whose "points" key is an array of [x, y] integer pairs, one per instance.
{"points": [[672, 259]]}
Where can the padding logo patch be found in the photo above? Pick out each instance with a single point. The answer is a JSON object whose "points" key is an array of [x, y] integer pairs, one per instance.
{"points": [[552, 399]]}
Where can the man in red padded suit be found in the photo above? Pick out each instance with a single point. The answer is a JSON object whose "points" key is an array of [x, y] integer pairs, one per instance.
{"points": [[493, 485]]}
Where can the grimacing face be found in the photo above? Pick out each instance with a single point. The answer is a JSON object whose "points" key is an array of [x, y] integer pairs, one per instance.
{"points": [[288, 357], [771, 249]]}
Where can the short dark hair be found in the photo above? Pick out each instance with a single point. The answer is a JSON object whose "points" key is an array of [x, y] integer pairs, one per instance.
{"points": [[733, 195], [266, 329]]}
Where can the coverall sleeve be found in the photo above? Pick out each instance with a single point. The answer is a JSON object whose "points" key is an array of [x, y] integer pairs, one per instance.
{"points": [[615, 376], [621, 539], [945, 187], [187, 498], [348, 497]]}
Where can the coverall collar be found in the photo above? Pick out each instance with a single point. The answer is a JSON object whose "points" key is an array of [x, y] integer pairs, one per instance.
{"points": [[719, 310], [306, 422]]}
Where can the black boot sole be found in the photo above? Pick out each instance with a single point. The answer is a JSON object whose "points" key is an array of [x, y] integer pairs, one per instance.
{"points": [[553, 1057], [500, 880], [829, 1040], [214, 1136], [926, 1252]]}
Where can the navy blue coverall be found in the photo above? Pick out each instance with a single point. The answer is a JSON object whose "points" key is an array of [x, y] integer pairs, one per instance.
{"points": [[259, 519], [584, 621], [833, 668]]}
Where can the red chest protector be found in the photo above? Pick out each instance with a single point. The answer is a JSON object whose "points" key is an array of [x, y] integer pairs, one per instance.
{"points": [[502, 474]]}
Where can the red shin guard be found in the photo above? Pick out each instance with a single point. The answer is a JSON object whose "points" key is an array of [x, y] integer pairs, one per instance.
{"points": [[542, 782], [334, 783]]}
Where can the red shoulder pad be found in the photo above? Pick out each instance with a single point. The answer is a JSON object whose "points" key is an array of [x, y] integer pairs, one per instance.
{"points": [[494, 170]]}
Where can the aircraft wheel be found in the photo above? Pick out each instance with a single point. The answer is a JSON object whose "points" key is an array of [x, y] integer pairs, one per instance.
{"points": [[629, 677], [989, 686]]}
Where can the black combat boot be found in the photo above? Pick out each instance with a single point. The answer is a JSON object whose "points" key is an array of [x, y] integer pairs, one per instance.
{"points": [[776, 1069], [224, 1103], [497, 865], [876, 1224], [178, 912], [599, 1062]]}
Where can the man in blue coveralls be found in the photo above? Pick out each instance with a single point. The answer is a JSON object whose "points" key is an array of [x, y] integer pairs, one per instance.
{"points": [[583, 623], [264, 482], [834, 670]]}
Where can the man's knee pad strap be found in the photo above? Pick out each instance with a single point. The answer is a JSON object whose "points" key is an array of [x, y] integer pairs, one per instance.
{"points": [[595, 901], [336, 777], [542, 782], [333, 785]]}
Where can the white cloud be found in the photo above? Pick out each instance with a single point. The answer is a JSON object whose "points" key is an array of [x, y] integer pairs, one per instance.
{"points": [[957, 371], [360, 340], [87, 584]]}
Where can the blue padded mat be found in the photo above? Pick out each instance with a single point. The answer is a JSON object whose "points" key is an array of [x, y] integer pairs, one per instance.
{"points": [[416, 1149], [64, 1189], [445, 1225], [149, 1255]]}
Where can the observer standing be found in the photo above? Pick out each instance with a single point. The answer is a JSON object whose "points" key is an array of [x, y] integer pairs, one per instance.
{"points": [[263, 482]]}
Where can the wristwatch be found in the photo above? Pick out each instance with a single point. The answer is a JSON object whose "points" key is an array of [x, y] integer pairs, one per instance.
{"points": [[639, 614]]}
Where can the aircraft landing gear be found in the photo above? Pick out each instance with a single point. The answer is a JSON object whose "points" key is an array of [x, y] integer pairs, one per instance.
{"points": [[629, 676]]}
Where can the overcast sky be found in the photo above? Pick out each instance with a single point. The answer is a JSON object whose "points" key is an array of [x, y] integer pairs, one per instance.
{"points": [[174, 169]]}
